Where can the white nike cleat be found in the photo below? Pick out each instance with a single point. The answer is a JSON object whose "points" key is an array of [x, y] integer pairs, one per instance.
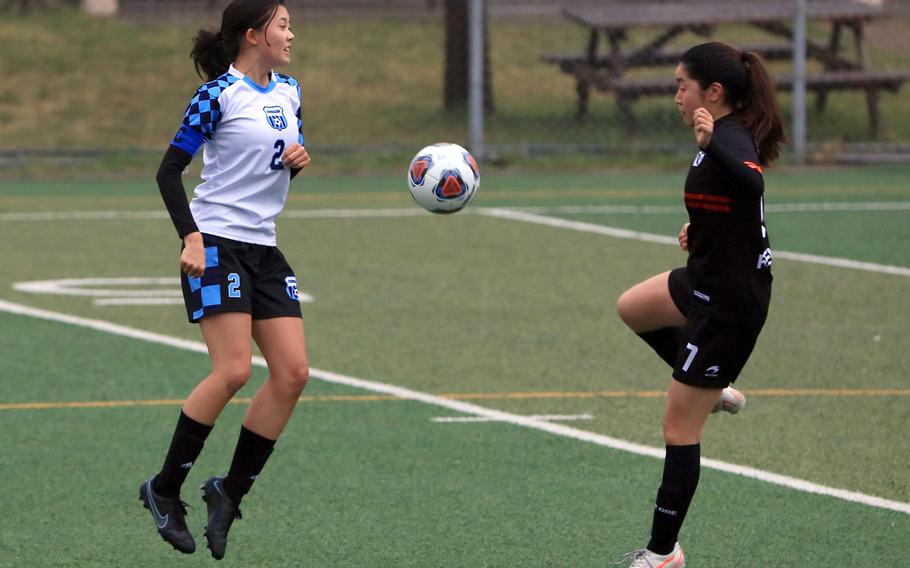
{"points": [[731, 400], [646, 559]]}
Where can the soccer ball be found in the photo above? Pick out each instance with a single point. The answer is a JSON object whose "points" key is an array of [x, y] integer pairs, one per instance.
{"points": [[443, 178]]}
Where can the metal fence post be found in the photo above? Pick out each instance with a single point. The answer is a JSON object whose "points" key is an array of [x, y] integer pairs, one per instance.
{"points": [[799, 81], [475, 77]]}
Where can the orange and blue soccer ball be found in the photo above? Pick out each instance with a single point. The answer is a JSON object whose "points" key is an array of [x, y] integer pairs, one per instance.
{"points": [[443, 178]]}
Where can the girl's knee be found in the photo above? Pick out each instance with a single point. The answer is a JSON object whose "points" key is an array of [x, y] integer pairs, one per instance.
{"points": [[293, 379], [631, 309], [235, 378], [680, 433], [624, 307]]}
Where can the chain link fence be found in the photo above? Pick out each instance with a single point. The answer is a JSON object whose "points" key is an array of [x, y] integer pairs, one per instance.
{"points": [[564, 81]]}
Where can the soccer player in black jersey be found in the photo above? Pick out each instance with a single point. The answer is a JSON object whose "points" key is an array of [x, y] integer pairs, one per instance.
{"points": [[703, 319]]}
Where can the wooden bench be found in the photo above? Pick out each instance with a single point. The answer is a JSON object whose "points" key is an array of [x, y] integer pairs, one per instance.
{"points": [[611, 53], [568, 61], [871, 81]]}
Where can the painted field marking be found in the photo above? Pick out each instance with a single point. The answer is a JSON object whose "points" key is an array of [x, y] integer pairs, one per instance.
{"points": [[131, 291], [583, 227], [473, 410], [678, 209], [417, 212], [551, 395], [528, 215], [545, 417]]}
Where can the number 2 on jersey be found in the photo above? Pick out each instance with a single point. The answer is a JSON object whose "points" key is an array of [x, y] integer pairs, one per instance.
{"points": [[276, 159]]}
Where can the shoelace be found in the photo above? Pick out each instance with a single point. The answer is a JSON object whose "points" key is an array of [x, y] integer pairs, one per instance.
{"points": [[180, 509], [634, 556]]}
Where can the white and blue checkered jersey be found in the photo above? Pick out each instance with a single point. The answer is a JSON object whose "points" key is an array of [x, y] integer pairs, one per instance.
{"points": [[244, 129]]}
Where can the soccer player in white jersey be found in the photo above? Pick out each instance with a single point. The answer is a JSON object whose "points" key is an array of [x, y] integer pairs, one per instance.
{"points": [[236, 283]]}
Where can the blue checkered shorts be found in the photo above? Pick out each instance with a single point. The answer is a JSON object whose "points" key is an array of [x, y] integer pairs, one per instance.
{"points": [[241, 277]]}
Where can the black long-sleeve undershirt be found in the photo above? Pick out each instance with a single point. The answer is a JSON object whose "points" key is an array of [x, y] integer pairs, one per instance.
{"points": [[170, 184]]}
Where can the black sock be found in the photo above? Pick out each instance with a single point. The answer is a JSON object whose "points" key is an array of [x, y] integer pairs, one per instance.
{"points": [[681, 468], [189, 437], [665, 342], [250, 456]]}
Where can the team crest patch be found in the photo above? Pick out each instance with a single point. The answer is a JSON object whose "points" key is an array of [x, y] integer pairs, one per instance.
{"points": [[698, 158], [275, 116], [291, 287]]}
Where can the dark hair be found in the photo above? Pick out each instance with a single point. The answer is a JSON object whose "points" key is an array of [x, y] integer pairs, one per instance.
{"points": [[748, 87], [213, 52]]}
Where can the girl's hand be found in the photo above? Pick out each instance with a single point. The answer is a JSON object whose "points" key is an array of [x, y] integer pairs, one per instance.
{"points": [[192, 259], [704, 127], [296, 157], [684, 237]]}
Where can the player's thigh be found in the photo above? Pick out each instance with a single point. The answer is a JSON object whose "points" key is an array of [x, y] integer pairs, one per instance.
{"points": [[648, 305], [227, 336], [283, 345]]}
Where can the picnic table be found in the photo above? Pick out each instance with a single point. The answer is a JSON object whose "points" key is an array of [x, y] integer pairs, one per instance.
{"points": [[608, 57]]}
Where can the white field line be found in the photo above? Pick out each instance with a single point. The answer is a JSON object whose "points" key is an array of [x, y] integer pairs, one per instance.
{"points": [[473, 410], [547, 417], [147, 215], [353, 213], [138, 301], [581, 226], [417, 212], [83, 216], [83, 287], [107, 296], [531, 215], [678, 209]]}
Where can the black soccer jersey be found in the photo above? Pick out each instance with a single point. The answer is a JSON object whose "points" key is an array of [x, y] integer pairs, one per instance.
{"points": [[729, 262]]}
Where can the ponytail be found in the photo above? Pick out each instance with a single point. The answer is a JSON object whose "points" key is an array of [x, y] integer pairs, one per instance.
{"points": [[210, 54], [759, 111], [213, 52], [748, 88]]}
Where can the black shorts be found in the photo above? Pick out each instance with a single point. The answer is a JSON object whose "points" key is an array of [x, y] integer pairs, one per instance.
{"points": [[680, 289], [241, 277], [713, 351]]}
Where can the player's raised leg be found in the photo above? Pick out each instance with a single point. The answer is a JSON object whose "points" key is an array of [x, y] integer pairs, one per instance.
{"points": [[649, 310]]}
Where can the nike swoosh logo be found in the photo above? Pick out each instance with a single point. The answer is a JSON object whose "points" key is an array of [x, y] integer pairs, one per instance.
{"points": [[217, 484], [160, 520]]}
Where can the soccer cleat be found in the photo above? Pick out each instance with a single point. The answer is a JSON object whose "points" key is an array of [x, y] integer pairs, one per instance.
{"points": [[222, 512], [170, 517], [644, 558], [731, 400]]}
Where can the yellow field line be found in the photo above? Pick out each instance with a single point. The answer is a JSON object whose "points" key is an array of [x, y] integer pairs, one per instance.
{"points": [[466, 396]]}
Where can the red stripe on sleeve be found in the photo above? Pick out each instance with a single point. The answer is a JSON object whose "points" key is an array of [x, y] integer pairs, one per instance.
{"points": [[708, 198], [708, 206]]}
